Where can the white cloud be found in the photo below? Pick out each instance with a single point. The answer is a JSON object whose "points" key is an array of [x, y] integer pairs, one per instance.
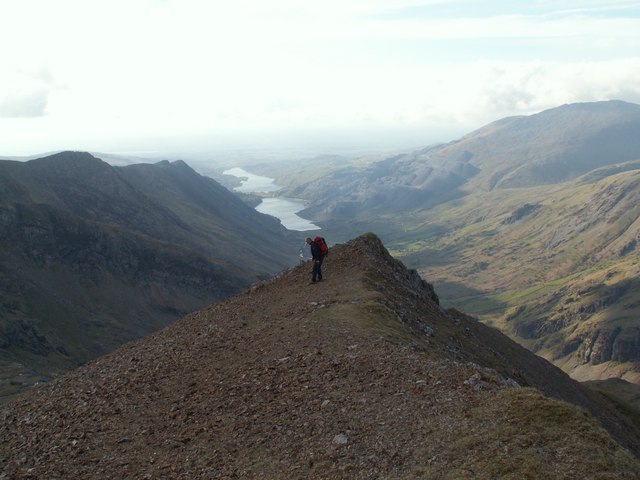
{"points": [[530, 87], [24, 92], [24, 104]]}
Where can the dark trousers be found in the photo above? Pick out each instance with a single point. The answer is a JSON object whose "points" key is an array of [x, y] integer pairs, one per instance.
{"points": [[316, 273]]}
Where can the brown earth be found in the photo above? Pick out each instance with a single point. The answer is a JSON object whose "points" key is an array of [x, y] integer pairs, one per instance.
{"points": [[360, 376]]}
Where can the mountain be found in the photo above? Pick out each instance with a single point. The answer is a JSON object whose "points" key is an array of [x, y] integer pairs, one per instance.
{"points": [[556, 268], [363, 375], [552, 146], [530, 223], [93, 256]]}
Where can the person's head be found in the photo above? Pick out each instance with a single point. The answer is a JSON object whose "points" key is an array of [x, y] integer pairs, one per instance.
{"points": [[309, 241]]}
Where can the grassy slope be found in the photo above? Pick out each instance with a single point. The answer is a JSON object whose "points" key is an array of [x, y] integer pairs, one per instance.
{"points": [[549, 270]]}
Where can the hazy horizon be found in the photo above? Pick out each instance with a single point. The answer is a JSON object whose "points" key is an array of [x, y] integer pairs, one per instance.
{"points": [[264, 147]]}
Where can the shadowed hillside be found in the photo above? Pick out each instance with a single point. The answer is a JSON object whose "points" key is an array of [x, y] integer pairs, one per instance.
{"points": [[92, 256], [363, 375]]}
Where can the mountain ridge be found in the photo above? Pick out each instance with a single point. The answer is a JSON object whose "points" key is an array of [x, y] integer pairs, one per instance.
{"points": [[361, 375], [85, 244], [549, 147]]}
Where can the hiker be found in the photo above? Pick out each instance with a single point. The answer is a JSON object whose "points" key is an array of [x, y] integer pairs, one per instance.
{"points": [[317, 257]]}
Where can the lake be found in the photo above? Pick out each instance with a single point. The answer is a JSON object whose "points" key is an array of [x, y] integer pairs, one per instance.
{"points": [[284, 209]]}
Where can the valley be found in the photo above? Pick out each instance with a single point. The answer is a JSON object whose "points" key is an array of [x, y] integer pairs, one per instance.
{"points": [[284, 209], [140, 288], [532, 224], [361, 240], [559, 278]]}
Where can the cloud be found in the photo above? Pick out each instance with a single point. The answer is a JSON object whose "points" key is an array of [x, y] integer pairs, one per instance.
{"points": [[25, 102], [162, 68], [515, 87], [25, 90]]}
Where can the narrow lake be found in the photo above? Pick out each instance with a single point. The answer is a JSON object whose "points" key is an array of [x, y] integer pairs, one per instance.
{"points": [[284, 209]]}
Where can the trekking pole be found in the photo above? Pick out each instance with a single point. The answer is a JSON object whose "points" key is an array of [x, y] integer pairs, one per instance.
{"points": [[301, 253]]}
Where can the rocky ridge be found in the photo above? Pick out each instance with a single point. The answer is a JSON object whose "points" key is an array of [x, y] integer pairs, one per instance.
{"points": [[363, 375]]}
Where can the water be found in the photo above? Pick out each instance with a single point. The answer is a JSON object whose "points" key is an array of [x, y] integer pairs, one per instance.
{"points": [[284, 209], [250, 183]]}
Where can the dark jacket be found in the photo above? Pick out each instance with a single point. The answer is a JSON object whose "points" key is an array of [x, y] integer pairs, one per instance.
{"points": [[316, 253]]}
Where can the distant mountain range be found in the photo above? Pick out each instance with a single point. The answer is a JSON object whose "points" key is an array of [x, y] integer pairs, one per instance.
{"points": [[550, 147], [532, 223], [92, 256], [363, 375]]}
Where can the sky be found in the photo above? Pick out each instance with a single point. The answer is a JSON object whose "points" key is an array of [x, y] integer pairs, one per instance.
{"points": [[165, 76]]}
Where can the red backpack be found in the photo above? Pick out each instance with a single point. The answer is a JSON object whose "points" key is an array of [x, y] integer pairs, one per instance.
{"points": [[322, 244]]}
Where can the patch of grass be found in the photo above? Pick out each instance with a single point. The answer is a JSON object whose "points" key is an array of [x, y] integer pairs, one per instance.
{"points": [[625, 396], [369, 317], [625, 408], [502, 450], [479, 304], [520, 296]]}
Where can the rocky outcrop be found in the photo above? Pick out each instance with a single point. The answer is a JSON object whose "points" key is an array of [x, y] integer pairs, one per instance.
{"points": [[615, 345], [520, 213]]}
